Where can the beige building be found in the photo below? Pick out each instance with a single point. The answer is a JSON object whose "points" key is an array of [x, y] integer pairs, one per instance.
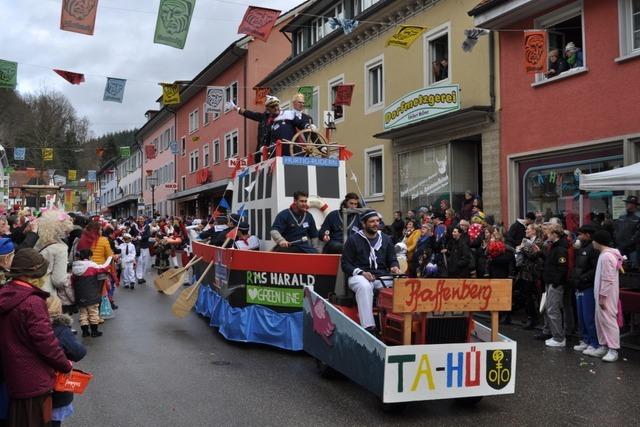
{"points": [[439, 136]]}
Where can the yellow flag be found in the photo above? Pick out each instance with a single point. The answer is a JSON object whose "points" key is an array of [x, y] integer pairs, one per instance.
{"points": [[170, 93], [72, 174], [47, 154], [406, 35]]}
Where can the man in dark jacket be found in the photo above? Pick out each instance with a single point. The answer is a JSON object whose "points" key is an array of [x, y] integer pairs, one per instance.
{"points": [[517, 230], [30, 351], [584, 271], [367, 255], [554, 274], [332, 230], [627, 231], [397, 226]]}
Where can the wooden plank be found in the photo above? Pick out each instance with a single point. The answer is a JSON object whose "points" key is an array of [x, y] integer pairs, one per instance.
{"points": [[444, 295], [495, 322], [406, 340]]}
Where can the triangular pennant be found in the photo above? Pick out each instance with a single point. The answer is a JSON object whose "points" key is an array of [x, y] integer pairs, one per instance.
{"points": [[70, 76], [224, 204], [249, 187], [229, 186]]}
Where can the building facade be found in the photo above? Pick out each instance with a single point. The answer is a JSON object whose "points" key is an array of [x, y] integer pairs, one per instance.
{"points": [[123, 186], [421, 156], [583, 120]]}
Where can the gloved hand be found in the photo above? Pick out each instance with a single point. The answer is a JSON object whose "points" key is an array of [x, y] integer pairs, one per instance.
{"points": [[230, 105], [312, 127]]}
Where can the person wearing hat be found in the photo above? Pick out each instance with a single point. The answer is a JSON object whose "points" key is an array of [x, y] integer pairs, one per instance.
{"points": [[294, 229], [582, 276], [244, 240], [367, 255], [573, 55], [141, 234], [606, 295], [227, 232], [216, 225], [7, 251], [127, 261], [627, 231], [30, 352]]}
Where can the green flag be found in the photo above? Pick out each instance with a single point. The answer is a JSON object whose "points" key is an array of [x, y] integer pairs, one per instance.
{"points": [[8, 74], [125, 152], [173, 22], [307, 91]]}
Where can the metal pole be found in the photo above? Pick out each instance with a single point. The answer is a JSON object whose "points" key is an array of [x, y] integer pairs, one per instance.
{"points": [[153, 200]]}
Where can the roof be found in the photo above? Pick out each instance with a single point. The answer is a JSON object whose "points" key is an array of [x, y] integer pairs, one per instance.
{"points": [[485, 5]]}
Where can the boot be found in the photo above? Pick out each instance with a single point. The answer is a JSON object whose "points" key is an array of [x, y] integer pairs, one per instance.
{"points": [[85, 330], [95, 332]]}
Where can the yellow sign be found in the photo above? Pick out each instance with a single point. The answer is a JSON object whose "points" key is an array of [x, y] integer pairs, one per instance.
{"points": [[406, 35], [445, 295], [72, 175], [47, 154], [170, 93]]}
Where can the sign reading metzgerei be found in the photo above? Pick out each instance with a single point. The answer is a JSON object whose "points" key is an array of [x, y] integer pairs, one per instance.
{"points": [[421, 105]]}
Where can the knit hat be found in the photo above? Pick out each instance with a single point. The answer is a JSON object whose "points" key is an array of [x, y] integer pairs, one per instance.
{"points": [[28, 262], [602, 237], [369, 214], [571, 47], [6, 246], [587, 229]]}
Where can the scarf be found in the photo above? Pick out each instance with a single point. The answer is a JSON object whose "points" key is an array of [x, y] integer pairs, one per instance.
{"points": [[572, 59], [373, 262]]}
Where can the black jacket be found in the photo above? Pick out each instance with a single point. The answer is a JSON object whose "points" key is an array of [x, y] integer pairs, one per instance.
{"points": [[356, 256], [554, 271], [503, 266], [584, 270], [459, 258], [626, 230], [72, 349], [397, 226], [515, 234]]}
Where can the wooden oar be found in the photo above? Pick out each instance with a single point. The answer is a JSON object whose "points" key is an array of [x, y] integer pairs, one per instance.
{"points": [[170, 277], [187, 298]]}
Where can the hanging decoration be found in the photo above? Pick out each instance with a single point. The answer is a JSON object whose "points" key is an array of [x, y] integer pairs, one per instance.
{"points": [[150, 151], [307, 91], [343, 95], [347, 25], [535, 51], [70, 76], [170, 93], [71, 174], [173, 145], [125, 152], [114, 90], [47, 154], [8, 74], [258, 22], [261, 94], [79, 16], [91, 176], [249, 187], [214, 99], [406, 35], [224, 204], [172, 26], [471, 38], [19, 153]]}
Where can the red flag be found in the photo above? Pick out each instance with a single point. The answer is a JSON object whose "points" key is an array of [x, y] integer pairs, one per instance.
{"points": [[71, 77], [261, 94], [343, 94], [258, 22], [535, 51], [150, 151], [345, 154]]}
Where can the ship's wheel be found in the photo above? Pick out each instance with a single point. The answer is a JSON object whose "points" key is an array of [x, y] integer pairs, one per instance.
{"points": [[316, 145]]}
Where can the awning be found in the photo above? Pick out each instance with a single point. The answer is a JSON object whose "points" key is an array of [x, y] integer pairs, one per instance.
{"points": [[496, 15], [620, 179], [471, 116], [125, 199], [194, 193]]}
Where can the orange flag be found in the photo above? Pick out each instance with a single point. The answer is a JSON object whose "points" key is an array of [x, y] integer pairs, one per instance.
{"points": [[79, 16], [261, 94], [535, 51], [258, 22]]}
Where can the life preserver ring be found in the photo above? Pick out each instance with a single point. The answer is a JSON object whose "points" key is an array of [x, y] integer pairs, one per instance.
{"points": [[316, 202]]}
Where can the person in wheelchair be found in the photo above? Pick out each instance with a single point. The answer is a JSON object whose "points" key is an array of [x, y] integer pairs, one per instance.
{"points": [[368, 255]]}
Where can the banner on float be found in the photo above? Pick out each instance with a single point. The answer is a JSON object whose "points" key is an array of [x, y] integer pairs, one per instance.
{"points": [[422, 105]]}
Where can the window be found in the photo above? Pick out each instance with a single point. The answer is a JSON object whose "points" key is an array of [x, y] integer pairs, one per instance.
{"points": [[183, 146], [193, 121], [356, 7], [374, 172], [167, 139], [336, 11], [183, 183], [374, 81], [333, 83], [230, 94], [231, 144], [171, 171], [314, 112], [299, 41], [563, 26], [629, 27], [317, 30], [216, 151], [437, 65], [206, 117], [193, 161], [205, 156]]}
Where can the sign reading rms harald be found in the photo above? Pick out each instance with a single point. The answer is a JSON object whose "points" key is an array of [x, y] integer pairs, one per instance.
{"points": [[421, 105]]}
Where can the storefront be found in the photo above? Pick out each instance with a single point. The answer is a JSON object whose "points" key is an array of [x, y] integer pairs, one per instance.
{"points": [[199, 202], [124, 207]]}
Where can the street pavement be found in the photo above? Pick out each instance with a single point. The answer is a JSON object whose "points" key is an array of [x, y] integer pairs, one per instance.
{"points": [[152, 369]]}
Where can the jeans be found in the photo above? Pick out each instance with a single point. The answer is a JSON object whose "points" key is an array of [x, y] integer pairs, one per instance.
{"points": [[586, 316]]}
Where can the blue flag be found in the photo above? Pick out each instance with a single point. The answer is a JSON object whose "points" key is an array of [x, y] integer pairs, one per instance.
{"points": [[114, 90], [91, 176], [241, 212], [224, 204], [19, 153]]}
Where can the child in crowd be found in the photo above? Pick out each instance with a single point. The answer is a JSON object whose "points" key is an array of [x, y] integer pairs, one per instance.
{"points": [[127, 260], [88, 290]]}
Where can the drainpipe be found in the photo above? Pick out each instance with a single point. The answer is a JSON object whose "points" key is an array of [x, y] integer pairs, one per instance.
{"points": [[492, 74]]}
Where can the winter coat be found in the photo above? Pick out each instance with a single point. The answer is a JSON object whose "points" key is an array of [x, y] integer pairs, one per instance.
{"points": [[356, 256], [58, 256], [86, 285], [584, 270], [411, 241], [101, 250], [397, 226], [503, 265], [554, 271], [532, 262], [626, 227], [458, 258], [28, 342], [72, 349], [515, 234]]}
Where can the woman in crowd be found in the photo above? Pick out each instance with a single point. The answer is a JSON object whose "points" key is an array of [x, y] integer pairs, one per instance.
{"points": [[423, 252], [411, 237], [530, 260], [458, 254]]}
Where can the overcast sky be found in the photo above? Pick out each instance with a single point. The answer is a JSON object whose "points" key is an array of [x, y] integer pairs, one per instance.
{"points": [[122, 46]]}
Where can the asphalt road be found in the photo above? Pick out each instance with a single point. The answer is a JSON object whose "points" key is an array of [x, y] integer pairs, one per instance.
{"points": [[151, 369]]}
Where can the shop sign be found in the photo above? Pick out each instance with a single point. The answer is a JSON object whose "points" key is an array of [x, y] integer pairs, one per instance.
{"points": [[235, 162], [171, 185], [421, 105], [444, 371]]}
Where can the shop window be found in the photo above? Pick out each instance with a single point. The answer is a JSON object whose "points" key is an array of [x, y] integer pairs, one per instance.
{"points": [[193, 161], [553, 190], [230, 94], [193, 121], [205, 156], [564, 28], [231, 144], [337, 109], [374, 81], [437, 66], [629, 22], [216, 151], [374, 171]]}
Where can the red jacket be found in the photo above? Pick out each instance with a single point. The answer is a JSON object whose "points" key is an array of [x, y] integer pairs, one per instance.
{"points": [[29, 350]]}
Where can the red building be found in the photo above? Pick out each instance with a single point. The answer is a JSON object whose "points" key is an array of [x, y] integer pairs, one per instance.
{"points": [[207, 142], [582, 120]]}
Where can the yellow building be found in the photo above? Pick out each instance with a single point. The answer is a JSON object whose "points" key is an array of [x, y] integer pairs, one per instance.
{"points": [[422, 122]]}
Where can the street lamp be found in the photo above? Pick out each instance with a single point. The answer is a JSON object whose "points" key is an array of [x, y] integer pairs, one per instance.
{"points": [[151, 181]]}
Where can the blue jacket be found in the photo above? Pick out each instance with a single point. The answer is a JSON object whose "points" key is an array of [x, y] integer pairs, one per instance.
{"points": [[294, 227], [333, 224], [357, 251]]}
